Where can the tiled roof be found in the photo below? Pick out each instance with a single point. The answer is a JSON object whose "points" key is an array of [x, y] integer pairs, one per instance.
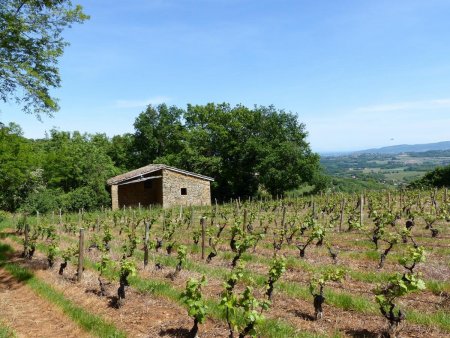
{"points": [[152, 168]]}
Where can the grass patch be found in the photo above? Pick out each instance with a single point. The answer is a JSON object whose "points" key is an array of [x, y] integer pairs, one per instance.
{"points": [[340, 299], [439, 318], [437, 287], [268, 328], [6, 331], [88, 321]]}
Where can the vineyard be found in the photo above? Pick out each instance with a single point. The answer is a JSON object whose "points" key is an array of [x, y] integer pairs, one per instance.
{"points": [[330, 265]]}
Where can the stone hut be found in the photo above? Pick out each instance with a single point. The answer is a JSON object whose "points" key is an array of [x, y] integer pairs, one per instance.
{"points": [[159, 184]]}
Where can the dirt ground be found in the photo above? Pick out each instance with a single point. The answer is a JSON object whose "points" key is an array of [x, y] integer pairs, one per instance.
{"points": [[146, 315], [140, 316], [31, 316]]}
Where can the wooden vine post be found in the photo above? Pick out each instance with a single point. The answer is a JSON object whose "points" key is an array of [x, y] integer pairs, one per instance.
{"points": [[27, 239], [147, 230], [283, 221], [401, 202], [445, 195], [80, 255], [203, 224], [435, 201], [313, 204], [244, 225], [191, 221], [215, 213], [341, 220], [164, 220], [361, 210]]}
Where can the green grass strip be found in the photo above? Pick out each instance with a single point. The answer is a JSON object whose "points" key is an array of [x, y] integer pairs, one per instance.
{"points": [[6, 331], [269, 327], [339, 299], [88, 321]]}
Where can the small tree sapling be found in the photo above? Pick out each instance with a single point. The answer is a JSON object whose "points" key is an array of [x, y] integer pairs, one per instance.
{"points": [[127, 269], [101, 266], [52, 252], [244, 306], [181, 257], [414, 255], [213, 252], [386, 296], [192, 297], [252, 309], [67, 255], [277, 268], [242, 244], [316, 288], [391, 239], [398, 286], [53, 249]]}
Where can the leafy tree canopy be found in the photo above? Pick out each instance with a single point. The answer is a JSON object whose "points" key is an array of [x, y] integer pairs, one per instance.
{"points": [[243, 149], [31, 43], [439, 177], [65, 170], [248, 151], [19, 174]]}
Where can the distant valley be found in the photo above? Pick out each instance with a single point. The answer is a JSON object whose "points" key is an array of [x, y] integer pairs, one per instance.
{"points": [[407, 148], [388, 166]]}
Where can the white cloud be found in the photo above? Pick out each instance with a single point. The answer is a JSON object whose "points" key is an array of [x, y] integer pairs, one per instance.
{"points": [[123, 104]]}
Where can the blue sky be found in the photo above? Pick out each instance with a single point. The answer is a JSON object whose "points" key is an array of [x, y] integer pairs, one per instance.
{"points": [[358, 73]]}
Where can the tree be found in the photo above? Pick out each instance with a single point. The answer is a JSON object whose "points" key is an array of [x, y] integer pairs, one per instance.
{"points": [[120, 150], [243, 149], [439, 177], [158, 131], [19, 169], [79, 166], [31, 43]]}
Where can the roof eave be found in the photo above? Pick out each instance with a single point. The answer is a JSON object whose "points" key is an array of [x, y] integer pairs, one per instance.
{"points": [[113, 181]]}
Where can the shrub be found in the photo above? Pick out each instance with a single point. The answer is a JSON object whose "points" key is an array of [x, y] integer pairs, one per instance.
{"points": [[43, 201], [83, 197], [3, 215]]}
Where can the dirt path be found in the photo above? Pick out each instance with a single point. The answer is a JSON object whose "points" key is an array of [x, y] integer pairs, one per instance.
{"points": [[31, 316], [300, 313], [141, 316], [147, 316]]}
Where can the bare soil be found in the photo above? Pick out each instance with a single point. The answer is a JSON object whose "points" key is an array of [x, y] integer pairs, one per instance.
{"points": [[31, 316], [146, 315], [142, 315]]}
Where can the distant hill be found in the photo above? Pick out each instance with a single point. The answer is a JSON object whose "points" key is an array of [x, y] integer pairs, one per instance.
{"points": [[406, 148]]}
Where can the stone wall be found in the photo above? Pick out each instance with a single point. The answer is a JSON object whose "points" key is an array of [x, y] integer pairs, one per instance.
{"points": [[172, 189], [197, 190], [115, 197]]}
